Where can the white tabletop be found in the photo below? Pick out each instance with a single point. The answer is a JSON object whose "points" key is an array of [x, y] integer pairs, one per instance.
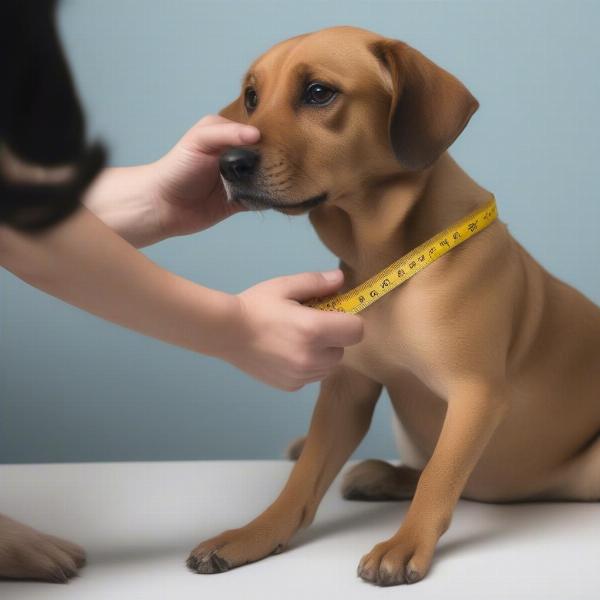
{"points": [[138, 522]]}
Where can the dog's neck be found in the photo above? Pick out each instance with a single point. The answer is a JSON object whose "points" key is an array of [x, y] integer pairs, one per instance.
{"points": [[370, 228]]}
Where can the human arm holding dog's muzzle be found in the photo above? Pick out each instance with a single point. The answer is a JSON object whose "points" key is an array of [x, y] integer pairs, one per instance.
{"points": [[179, 194]]}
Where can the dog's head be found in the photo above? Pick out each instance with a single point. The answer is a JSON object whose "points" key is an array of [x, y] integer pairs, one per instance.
{"points": [[337, 109]]}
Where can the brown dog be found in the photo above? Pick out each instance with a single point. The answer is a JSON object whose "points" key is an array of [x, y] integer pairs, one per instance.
{"points": [[492, 365]]}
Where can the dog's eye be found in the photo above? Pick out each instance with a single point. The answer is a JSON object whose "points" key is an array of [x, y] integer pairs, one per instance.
{"points": [[251, 99], [318, 93]]}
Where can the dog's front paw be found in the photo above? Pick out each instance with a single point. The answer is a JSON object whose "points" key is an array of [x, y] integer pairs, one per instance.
{"points": [[235, 548], [404, 558], [29, 554]]}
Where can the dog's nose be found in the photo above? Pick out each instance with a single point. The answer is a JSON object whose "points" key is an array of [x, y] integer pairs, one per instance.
{"points": [[238, 164]]}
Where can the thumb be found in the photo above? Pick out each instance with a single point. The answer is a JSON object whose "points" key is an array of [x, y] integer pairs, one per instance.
{"points": [[305, 286], [216, 137]]}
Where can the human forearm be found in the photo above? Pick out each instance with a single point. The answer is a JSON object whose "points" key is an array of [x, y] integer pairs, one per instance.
{"points": [[124, 198], [85, 264]]}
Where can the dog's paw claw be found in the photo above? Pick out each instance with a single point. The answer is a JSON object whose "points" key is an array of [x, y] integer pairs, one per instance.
{"points": [[209, 564], [278, 549], [412, 575]]}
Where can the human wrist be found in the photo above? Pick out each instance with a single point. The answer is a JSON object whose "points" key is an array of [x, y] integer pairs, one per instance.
{"points": [[232, 330]]}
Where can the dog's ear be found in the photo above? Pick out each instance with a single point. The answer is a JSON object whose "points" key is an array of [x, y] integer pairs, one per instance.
{"points": [[234, 111], [429, 106]]}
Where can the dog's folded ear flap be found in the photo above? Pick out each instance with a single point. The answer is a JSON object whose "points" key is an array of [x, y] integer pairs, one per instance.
{"points": [[429, 106], [233, 111]]}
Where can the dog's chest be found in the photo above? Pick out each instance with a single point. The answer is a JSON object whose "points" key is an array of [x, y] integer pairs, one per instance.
{"points": [[400, 331], [384, 352]]}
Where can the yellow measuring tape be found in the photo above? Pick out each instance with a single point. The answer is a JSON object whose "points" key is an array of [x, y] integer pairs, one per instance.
{"points": [[375, 288]]}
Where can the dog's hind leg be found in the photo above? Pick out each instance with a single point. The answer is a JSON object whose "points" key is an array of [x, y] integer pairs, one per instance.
{"points": [[294, 449], [377, 480], [578, 479]]}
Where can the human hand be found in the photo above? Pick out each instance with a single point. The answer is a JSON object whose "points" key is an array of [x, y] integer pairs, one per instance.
{"points": [[287, 345], [187, 187]]}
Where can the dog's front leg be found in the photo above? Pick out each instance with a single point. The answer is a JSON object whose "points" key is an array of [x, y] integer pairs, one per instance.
{"points": [[341, 418], [475, 408]]}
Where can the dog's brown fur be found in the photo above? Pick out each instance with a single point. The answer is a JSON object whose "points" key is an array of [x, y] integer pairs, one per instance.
{"points": [[491, 363]]}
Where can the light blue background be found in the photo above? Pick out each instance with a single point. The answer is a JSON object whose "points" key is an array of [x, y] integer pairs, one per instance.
{"points": [[73, 388]]}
